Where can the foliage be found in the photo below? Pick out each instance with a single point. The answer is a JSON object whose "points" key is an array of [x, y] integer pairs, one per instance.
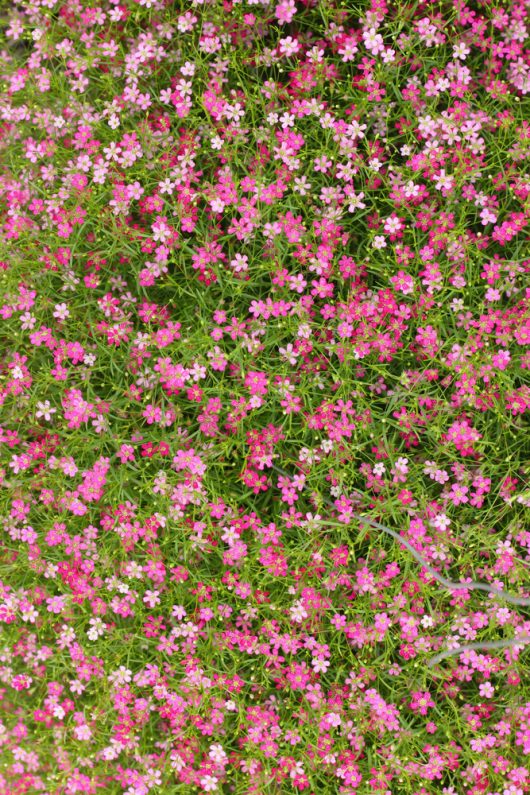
{"points": [[264, 268]]}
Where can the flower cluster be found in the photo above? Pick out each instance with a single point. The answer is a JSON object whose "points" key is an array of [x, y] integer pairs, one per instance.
{"points": [[264, 274]]}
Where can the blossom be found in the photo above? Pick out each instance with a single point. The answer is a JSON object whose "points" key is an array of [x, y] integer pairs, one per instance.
{"points": [[265, 313], [44, 409], [209, 783]]}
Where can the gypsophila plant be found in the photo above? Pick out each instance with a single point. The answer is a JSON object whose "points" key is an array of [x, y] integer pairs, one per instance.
{"points": [[264, 397]]}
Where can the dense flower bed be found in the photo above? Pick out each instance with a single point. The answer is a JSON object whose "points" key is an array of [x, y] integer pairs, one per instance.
{"points": [[264, 274]]}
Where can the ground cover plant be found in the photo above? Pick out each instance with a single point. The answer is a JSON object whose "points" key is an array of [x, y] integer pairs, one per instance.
{"points": [[264, 393]]}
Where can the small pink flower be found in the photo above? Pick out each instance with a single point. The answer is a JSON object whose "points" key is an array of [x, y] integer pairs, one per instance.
{"points": [[486, 690], [285, 11], [458, 494]]}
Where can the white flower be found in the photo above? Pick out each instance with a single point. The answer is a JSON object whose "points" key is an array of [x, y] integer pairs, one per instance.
{"points": [[83, 732], [51, 571], [27, 321], [356, 201], [438, 553], [461, 51], [320, 666], [44, 410], [298, 612], [288, 46], [120, 677], [217, 753], [209, 783], [379, 242], [100, 424], [176, 762], [30, 615], [372, 39], [166, 186], [402, 465], [97, 628], [356, 130], [411, 189], [61, 311], [188, 69], [301, 185], [311, 522], [217, 205], [443, 181], [151, 598], [441, 522], [298, 770], [288, 353]]}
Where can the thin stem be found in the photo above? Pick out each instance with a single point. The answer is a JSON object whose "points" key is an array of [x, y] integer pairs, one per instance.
{"points": [[487, 644], [449, 584]]}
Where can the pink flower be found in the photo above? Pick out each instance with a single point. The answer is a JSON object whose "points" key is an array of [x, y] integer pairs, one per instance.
{"points": [[285, 11], [298, 676], [126, 453], [421, 702], [256, 382], [486, 690], [458, 494]]}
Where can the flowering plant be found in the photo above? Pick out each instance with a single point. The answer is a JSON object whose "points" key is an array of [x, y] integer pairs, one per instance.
{"points": [[264, 397]]}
